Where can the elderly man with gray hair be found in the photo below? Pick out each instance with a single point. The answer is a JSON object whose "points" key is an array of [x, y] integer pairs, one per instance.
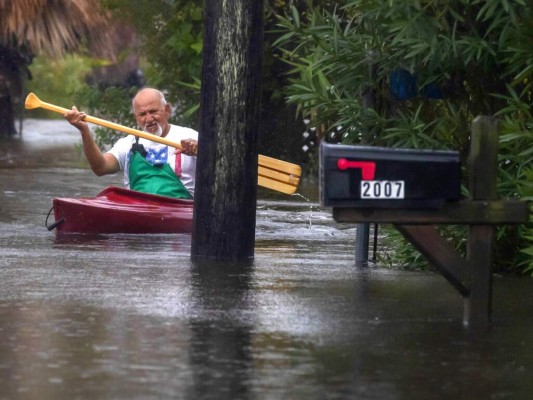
{"points": [[148, 166]]}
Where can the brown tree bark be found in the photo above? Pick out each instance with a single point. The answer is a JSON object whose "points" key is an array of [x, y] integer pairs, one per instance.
{"points": [[226, 185]]}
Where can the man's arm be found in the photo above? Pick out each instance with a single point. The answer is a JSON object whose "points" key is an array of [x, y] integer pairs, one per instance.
{"points": [[100, 163]]}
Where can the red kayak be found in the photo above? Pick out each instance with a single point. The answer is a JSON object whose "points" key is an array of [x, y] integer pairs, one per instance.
{"points": [[119, 210]]}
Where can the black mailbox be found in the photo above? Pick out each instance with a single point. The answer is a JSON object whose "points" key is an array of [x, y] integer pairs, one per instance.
{"points": [[378, 177]]}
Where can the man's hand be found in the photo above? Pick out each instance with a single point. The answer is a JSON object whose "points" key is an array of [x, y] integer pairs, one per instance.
{"points": [[189, 147], [76, 118]]}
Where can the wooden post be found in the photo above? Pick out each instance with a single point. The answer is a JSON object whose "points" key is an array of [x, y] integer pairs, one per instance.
{"points": [[226, 187], [483, 164]]}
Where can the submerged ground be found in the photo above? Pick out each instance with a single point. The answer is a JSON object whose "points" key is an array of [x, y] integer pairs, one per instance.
{"points": [[126, 316]]}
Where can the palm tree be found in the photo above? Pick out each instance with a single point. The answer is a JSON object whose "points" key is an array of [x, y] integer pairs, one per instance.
{"points": [[48, 27]]}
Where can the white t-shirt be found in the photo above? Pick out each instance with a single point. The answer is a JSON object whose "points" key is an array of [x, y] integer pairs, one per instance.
{"points": [[184, 165]]}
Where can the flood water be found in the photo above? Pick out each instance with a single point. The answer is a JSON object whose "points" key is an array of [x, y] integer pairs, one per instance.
{"points": [[130, 317]]}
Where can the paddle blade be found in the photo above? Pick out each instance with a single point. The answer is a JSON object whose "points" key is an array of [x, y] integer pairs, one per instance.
{"points": [[280, 165], [32, 101], [277, 180], [276, 185], [278, 175]]}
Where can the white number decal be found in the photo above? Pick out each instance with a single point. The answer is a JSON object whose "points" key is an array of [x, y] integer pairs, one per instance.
{"points": [[382, 189]]}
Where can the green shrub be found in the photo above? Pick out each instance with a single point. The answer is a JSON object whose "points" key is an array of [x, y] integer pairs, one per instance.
{"points": [[415, 74]]}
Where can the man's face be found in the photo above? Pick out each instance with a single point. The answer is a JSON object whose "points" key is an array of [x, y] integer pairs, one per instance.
{"points": [[151, 115]]}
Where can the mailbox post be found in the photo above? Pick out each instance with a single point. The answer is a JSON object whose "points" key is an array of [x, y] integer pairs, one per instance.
{"points": [[417, 189], [362, 242]]}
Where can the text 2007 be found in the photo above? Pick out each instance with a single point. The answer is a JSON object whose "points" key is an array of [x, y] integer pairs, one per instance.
{"points": [[382, 189]]}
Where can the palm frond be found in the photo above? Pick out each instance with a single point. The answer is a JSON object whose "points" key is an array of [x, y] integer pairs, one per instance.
{"points": [[52, 27]]}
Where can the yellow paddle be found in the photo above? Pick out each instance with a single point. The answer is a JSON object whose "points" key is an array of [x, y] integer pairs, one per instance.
{"points": [[272, 173]]}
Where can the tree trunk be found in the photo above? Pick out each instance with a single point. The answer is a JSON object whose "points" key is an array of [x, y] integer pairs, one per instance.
{"points": [[226, 185], [7, 115], [13, 65]]}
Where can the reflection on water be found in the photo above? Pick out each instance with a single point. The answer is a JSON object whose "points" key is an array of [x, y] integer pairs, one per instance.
{"points": [[222, 332], [178, 243], [129, 316]]}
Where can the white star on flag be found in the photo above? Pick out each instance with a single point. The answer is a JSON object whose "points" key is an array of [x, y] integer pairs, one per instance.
{"points": [[157, 156]]}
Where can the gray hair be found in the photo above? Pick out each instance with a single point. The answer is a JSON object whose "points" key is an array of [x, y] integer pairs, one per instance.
{"points": [[159, 93]]}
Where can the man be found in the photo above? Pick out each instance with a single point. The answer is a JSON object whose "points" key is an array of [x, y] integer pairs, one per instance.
{"points": [[148, 166]]}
